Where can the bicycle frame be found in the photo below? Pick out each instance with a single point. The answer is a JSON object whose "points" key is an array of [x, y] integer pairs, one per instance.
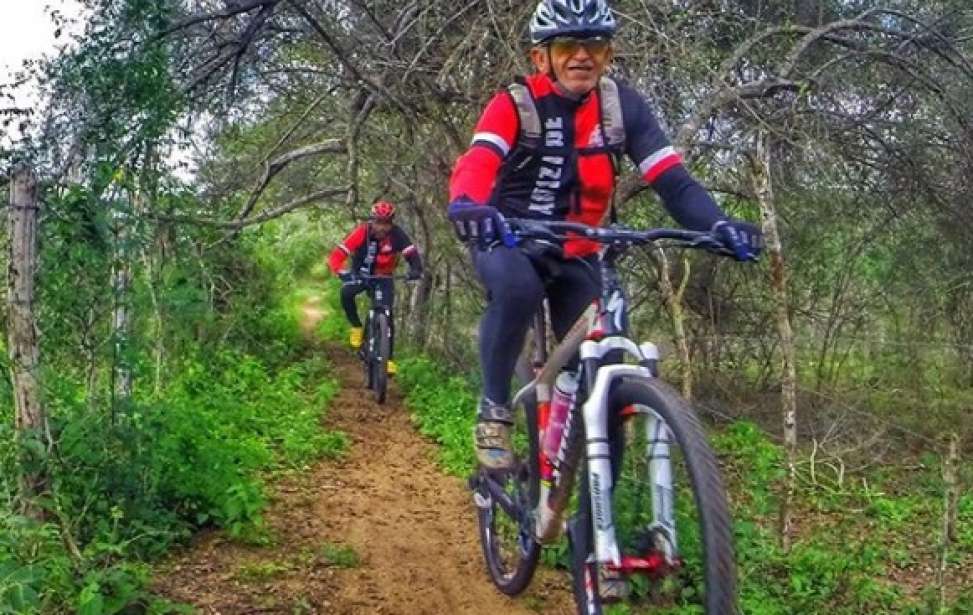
{"points": [[599, 336], [375, 296]]}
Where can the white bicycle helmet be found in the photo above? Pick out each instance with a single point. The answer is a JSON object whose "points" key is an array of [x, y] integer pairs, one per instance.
{"points": [[571, 18]]}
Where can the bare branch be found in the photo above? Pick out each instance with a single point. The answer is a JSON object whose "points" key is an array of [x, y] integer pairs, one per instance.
{"points": [[265, 216], [331, 146], [287, 135], [230, 11], [343, 58]]}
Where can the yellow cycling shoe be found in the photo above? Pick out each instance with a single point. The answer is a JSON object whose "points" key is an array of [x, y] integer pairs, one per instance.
{"points": [[391, 368], [355, 337]]}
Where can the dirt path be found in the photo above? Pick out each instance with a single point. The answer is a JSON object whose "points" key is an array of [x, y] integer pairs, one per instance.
{"points": [[381, 531]]}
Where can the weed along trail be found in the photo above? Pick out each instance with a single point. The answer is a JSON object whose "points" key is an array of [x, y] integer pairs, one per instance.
{"points": [[380, 530]]}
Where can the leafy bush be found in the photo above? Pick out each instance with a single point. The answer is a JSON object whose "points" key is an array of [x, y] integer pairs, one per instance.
{"points": [[444, 408], [188, 457]]}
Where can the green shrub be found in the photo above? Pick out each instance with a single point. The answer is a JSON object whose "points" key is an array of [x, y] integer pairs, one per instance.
{"points": [[187, 457], [444, 408]]}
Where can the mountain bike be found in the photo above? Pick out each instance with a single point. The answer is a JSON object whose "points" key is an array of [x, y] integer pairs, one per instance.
{"points": [[376, 346], [648, 510]]}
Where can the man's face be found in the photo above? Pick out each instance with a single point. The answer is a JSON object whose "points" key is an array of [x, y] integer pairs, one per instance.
{"points": [[577, 63], [381, 228]]}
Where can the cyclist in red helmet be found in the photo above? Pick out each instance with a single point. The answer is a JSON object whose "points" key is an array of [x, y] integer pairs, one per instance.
{"points": [[374, 248], [548, 147]]}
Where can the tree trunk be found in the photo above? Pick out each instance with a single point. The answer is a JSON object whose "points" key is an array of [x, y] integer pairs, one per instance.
{"points": [[950, 497], [448, 325], [673, 298], [30, 420], [152, 265], [763, 189], [121, 313]]}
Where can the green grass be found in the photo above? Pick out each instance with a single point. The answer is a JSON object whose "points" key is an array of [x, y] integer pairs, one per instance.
{"points": [[260, 572], [340, 556], [443, 408]]}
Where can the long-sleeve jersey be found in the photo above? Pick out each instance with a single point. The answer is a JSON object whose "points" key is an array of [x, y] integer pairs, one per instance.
{"points": [[373, 256], [571, 174]]}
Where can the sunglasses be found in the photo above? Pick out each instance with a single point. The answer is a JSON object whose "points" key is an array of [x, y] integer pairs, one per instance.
{"points": [[596, 46]]}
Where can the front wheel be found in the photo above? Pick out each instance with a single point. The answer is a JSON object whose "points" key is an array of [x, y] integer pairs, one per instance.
{"points": [[380, 357], [670, 510]]}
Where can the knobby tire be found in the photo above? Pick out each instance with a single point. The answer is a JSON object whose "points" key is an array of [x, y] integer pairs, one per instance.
{"points": [[381, 359], [523, 481], [709, 497]]}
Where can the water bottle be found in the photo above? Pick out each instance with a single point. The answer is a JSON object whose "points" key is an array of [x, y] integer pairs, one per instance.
{"points": [[565, 388]]}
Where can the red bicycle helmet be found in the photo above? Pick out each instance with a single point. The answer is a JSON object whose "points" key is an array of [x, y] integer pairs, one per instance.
{"points": [[383, 210]]}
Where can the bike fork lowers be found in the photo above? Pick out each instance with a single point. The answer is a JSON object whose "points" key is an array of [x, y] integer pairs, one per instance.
{"points": [[598, 447]]}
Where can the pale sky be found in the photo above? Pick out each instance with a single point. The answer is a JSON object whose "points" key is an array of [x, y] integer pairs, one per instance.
{"points": [[26, 31]]}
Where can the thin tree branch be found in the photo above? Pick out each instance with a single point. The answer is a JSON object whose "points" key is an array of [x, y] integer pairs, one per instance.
{"points": [[233, 9], [265, 216]]}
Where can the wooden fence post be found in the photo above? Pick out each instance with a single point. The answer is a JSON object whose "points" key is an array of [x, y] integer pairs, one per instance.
{"points": [[30, 420]]}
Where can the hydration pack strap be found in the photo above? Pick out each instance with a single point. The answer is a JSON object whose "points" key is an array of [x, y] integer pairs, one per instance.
{"points": [[612, 123], [530, 119], [613, 131]]}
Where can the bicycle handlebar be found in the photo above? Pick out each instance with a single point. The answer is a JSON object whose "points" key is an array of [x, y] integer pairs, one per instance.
{"points": [[614, 235], [373, 278]]}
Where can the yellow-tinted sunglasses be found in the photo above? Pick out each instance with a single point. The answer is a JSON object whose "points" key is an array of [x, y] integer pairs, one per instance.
{"points": [[596, 46]]}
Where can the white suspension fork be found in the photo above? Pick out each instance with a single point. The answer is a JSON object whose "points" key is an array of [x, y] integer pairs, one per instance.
{"points": [[598, 449], [658, 451]]}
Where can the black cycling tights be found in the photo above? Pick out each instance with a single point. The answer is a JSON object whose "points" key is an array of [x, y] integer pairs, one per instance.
{"points": [[350, 291], [515, 291]]}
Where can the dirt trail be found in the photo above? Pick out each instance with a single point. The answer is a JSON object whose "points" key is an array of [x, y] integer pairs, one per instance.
{"points": [[386, 504]]}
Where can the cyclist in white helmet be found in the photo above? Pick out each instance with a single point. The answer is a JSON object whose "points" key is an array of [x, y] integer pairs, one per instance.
{"points": [[548, 147]]}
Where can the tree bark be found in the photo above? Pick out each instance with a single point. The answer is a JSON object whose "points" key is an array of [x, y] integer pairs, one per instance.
{"points": [[30, 420], [950, 496], [121, 312], [763, 189], [673, 298]]}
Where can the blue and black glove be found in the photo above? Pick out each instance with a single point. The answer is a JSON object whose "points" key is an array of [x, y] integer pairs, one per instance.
{"points": [[480, 224], [745, 240], [347, 278]]}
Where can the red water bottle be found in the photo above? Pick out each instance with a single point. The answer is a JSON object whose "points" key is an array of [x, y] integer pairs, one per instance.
{"points": [[565, 388]]}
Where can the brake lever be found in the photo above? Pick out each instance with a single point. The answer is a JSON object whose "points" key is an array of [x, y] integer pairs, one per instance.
{"points": [[712, 245], [537, 232]]}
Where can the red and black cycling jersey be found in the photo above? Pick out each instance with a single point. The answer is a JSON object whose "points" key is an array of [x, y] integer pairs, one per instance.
{"points": [[371, 256], [571, 174]]}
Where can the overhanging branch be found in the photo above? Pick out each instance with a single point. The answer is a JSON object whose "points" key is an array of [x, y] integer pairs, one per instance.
{"points": [[275, 166], [265, 216], [234, 9]]}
